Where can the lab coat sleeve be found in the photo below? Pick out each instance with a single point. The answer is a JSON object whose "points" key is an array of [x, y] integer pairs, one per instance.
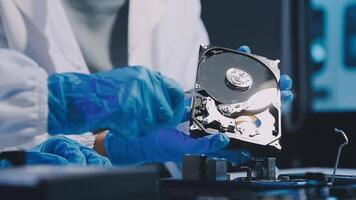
{"points": [[23, 99], [198, 35]]}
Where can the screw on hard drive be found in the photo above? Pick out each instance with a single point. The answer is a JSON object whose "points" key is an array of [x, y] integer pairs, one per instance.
{"points": [[339, 152]]}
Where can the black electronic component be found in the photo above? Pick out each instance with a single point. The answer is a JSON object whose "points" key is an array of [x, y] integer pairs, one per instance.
{"points": [[260, 169], [194, 167], [217, 169], [199, 167]]}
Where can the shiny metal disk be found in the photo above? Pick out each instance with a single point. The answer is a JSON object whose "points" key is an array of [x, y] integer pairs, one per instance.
{"points": [[238, 78]]}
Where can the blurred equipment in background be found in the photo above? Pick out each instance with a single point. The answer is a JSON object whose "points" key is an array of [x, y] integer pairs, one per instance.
{"points": [[333, 55]]}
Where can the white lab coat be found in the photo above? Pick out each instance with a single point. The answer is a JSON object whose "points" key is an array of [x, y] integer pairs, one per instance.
{"points": [[37, 40]]}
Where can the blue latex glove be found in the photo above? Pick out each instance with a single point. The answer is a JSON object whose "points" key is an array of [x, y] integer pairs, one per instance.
{"points": [[60, 150], [167, 145], [71, 151], [133, 100], [285, 82]]}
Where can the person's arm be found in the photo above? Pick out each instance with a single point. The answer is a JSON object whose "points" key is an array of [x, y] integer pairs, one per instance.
{"points": [[99, 143], [132, 99], [23, 99], [32, 103]]}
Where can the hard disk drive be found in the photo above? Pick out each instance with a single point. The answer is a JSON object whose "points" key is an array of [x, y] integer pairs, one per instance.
{"points": [[238, 94]]}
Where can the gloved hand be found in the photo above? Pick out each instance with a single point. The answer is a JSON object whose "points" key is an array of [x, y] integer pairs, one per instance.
{"points": [[60, 150], [285, 82], [167, 145], [133, 100], [72, 151]]}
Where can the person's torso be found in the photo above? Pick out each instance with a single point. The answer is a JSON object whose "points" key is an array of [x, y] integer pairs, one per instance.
{"points": [[100, 28], [163, 35]]}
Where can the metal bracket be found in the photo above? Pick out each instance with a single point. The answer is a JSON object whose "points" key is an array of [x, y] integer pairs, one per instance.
{"points": [[339, 152]]}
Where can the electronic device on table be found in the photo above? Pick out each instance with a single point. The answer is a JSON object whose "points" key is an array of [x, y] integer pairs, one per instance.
{"points": [[238, 94]]}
